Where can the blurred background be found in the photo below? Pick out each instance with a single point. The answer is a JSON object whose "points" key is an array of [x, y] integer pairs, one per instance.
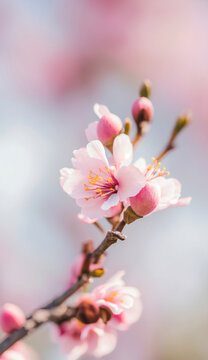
{"points": [[57, 58]]}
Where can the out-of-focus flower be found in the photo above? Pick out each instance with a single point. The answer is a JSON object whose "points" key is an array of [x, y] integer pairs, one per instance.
{"points": [[77, 339], [107, 128], [159, 192], [117, 297], [11, 318], [97, 184]]}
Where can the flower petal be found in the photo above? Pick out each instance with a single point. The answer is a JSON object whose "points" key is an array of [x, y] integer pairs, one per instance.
{"points": [[141, 164], [71, 180], [86, 220], [91, 131], [91, 208], [96, 150], [183, 201], [81, 159], [113, 200], [122, 150], [130, 180], [101, 110], [106, 343]]}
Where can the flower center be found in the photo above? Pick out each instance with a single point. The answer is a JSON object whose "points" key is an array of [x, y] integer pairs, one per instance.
{"points": [[153, 171], [101, 185]]}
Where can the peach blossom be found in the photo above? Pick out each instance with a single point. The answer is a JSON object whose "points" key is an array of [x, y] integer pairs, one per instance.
{"points": [[99, 184], [115, 295]]}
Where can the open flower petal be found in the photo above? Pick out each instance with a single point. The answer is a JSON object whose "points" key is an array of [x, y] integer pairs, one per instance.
{"points": [[122, 150], [96, 150], [113, 200], [106, 343], [91, 131], [130, 180]]}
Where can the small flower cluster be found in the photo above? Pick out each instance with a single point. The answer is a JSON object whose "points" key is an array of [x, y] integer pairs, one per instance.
{"points": [[12, 318], [109, 307], [104, 186]]}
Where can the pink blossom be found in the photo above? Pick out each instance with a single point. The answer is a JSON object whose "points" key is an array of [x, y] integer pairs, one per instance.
{"points": [[159, 192], [77, 339], [98, 184], [107, 128], [11, 318], [117, 297]]}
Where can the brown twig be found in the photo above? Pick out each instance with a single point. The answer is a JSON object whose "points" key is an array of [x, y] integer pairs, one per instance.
{"points": [[55, 311]]}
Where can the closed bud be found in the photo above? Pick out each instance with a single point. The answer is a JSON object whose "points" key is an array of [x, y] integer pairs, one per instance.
{"points": [[146, 200], [142, 112], [11, 318], [87, 312], [109, 126], [146, 88]]}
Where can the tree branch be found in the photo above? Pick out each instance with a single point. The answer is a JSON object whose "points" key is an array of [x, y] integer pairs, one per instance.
{"points": [[55, 311]]}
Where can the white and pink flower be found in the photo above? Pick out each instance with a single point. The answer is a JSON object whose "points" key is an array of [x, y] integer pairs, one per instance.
{"points": [[107, 128], [123, 301], [159, 192], [99, 184]]}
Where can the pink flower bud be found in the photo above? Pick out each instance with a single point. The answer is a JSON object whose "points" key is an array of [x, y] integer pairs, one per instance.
{"points": [[11, 318], [142, 110], [146, 200], [108, 127]]}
